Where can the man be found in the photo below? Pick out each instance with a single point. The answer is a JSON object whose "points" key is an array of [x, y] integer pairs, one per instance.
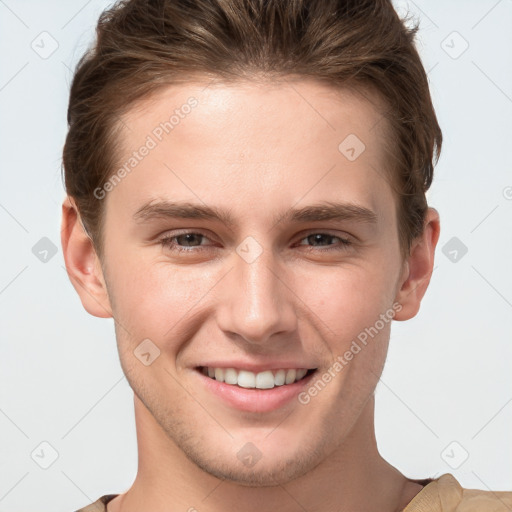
{"points": [[246, 198]]}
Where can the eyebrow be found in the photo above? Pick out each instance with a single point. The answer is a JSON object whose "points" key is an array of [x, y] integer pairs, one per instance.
{"points": [[323, 211]]}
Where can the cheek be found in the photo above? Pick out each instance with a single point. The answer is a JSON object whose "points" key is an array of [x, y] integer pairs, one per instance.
{"points": [[352, 312], [163, 302], [154, 298], [347, 299]]}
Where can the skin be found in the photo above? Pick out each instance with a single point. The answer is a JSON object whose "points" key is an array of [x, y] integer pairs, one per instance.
{"points": [[257, 150]]}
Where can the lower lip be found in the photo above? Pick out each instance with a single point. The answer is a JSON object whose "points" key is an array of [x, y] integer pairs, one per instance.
{"points": [[255, 400]]}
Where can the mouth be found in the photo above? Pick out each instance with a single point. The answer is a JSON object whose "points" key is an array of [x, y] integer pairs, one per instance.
{"points": [[266, 379], [255, 388]]}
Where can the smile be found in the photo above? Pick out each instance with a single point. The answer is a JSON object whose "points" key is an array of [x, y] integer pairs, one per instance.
{"points": [[266, 379]]}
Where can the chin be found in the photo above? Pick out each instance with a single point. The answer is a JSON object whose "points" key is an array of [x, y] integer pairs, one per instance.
{"points": [[263, 474], [255, 457], [275, 462]]}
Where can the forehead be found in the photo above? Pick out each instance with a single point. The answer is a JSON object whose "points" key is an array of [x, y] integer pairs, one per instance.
{"points": [[256, 145], [269, 105]]}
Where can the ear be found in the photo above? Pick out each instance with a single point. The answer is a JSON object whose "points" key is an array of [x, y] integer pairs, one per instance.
{"points": [[82, 264], [417, 268]]}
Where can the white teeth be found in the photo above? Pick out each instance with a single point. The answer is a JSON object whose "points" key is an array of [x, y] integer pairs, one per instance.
{"points": [[300, 373], [246, 379], [263, 380], [290, 376], [230, 376], [279, 377]]}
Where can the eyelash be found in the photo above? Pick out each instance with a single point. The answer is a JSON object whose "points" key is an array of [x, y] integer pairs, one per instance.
{"points": [[168, 242]]}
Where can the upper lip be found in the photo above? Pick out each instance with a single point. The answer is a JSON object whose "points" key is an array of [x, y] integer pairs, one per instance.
{"points": [[258, 367]]}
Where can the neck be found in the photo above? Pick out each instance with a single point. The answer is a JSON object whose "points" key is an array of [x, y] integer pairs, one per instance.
{"points": [[353, 477]]}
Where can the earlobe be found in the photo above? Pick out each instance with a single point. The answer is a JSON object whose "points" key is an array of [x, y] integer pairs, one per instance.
{"points": [[418, 268], [82, 263]]}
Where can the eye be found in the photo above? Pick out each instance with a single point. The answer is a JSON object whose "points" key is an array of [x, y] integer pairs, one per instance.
{"points": [[184, 241], [192, 241], [316, 240]]}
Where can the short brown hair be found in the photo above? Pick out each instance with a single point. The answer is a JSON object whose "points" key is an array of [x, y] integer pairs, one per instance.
{"points": [[145, 45]]}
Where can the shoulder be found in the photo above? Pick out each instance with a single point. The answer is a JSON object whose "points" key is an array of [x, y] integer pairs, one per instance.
{"points": [[100, 505], [445, 494], [474, 500]]}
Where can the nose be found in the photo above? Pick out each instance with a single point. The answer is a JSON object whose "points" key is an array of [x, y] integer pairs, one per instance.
{"points": [[256, 303]]}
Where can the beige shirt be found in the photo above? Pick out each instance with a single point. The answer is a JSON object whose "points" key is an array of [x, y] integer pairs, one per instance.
{"points": [[443, 494]]}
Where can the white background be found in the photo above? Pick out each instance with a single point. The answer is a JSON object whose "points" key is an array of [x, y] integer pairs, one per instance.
{"points": [[447, 380]]}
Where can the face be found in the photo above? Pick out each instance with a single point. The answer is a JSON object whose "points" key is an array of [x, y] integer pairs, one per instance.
{"points": [[256, 239]]}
